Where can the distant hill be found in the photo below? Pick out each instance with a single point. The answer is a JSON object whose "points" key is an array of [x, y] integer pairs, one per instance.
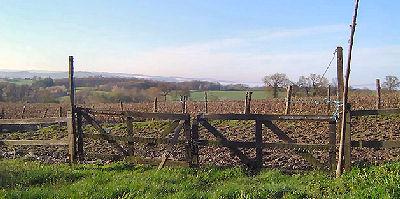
{"points": [[83, 74]]}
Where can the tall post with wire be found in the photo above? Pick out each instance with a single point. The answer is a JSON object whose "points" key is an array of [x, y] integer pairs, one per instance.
{"points": [[345, 136]]}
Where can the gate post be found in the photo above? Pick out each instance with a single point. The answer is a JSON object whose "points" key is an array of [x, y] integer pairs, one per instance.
{"points": [[332, 144], [71, 136], [347, 141], [259, 147], [129, 129], [71, 115], [155, 105], [194, 143], [79, 134]]}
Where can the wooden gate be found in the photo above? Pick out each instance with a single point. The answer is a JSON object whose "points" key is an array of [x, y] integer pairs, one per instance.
{"points": [[235, 147], [180, 123]]}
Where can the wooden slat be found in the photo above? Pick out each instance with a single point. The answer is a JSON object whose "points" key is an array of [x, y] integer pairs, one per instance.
{"points": [[33, 121], [143, 140], [104, 112], [282, 135], [390, 144], [263, 117], [279, 145], [170, 128], [226, 143], [97, 126], [177, 130], [161, 116], [34, 142], [357, 113]]}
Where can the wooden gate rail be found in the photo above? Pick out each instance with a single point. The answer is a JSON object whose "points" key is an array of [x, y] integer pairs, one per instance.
{"points": [[266, 117], [34, 121], [384, 144], [266, 120], [180, 122]]}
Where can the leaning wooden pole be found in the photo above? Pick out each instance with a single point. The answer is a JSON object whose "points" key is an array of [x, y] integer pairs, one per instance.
{"points": [[339, 68], [345, 107], [72, 114]]}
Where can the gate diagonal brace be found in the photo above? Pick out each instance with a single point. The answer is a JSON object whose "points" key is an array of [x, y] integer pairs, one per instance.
{"points": [[225, 142], [282, 135], [173, 141], [104, 134]]}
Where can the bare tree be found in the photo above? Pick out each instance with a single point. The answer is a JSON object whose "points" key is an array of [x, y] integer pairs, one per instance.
{"points": [[317, 81], [304, 83], [276, 81], [391, 82]]}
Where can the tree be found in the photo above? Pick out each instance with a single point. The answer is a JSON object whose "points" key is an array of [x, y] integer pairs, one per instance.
{"points": [[165, 89], [305, 83], [391, 82], [43, 83], [276, 81], [317, 81]]}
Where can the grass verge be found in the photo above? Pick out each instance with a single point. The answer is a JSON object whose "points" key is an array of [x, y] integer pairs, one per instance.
{"points": [[22, 179]]}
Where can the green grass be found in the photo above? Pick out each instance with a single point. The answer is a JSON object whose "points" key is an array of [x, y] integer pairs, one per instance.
{"points": [[19, 179], [19, 82]]}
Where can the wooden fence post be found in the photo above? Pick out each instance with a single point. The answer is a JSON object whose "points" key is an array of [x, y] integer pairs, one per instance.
{"points": [[194, 143], [23, 112], [288, 99], [378, 94], [60, 111], [155, 106], [129, 129], [246, 103], [339, 67], [259, 147], [188, 140], [71, 137], [205, 102], [185, 104], [121, 105], [72, 115], [249, 102], [79, 135], [332, 143]]}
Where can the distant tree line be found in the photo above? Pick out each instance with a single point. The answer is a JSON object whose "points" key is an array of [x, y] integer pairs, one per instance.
{"points": [[101, 89], [313, 84]]}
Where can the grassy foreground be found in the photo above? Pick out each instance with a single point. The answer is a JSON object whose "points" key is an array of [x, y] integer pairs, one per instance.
{"points": [[20, 179]]}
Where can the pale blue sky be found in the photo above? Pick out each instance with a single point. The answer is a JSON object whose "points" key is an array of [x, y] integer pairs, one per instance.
{"points": [[228, 40]]}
